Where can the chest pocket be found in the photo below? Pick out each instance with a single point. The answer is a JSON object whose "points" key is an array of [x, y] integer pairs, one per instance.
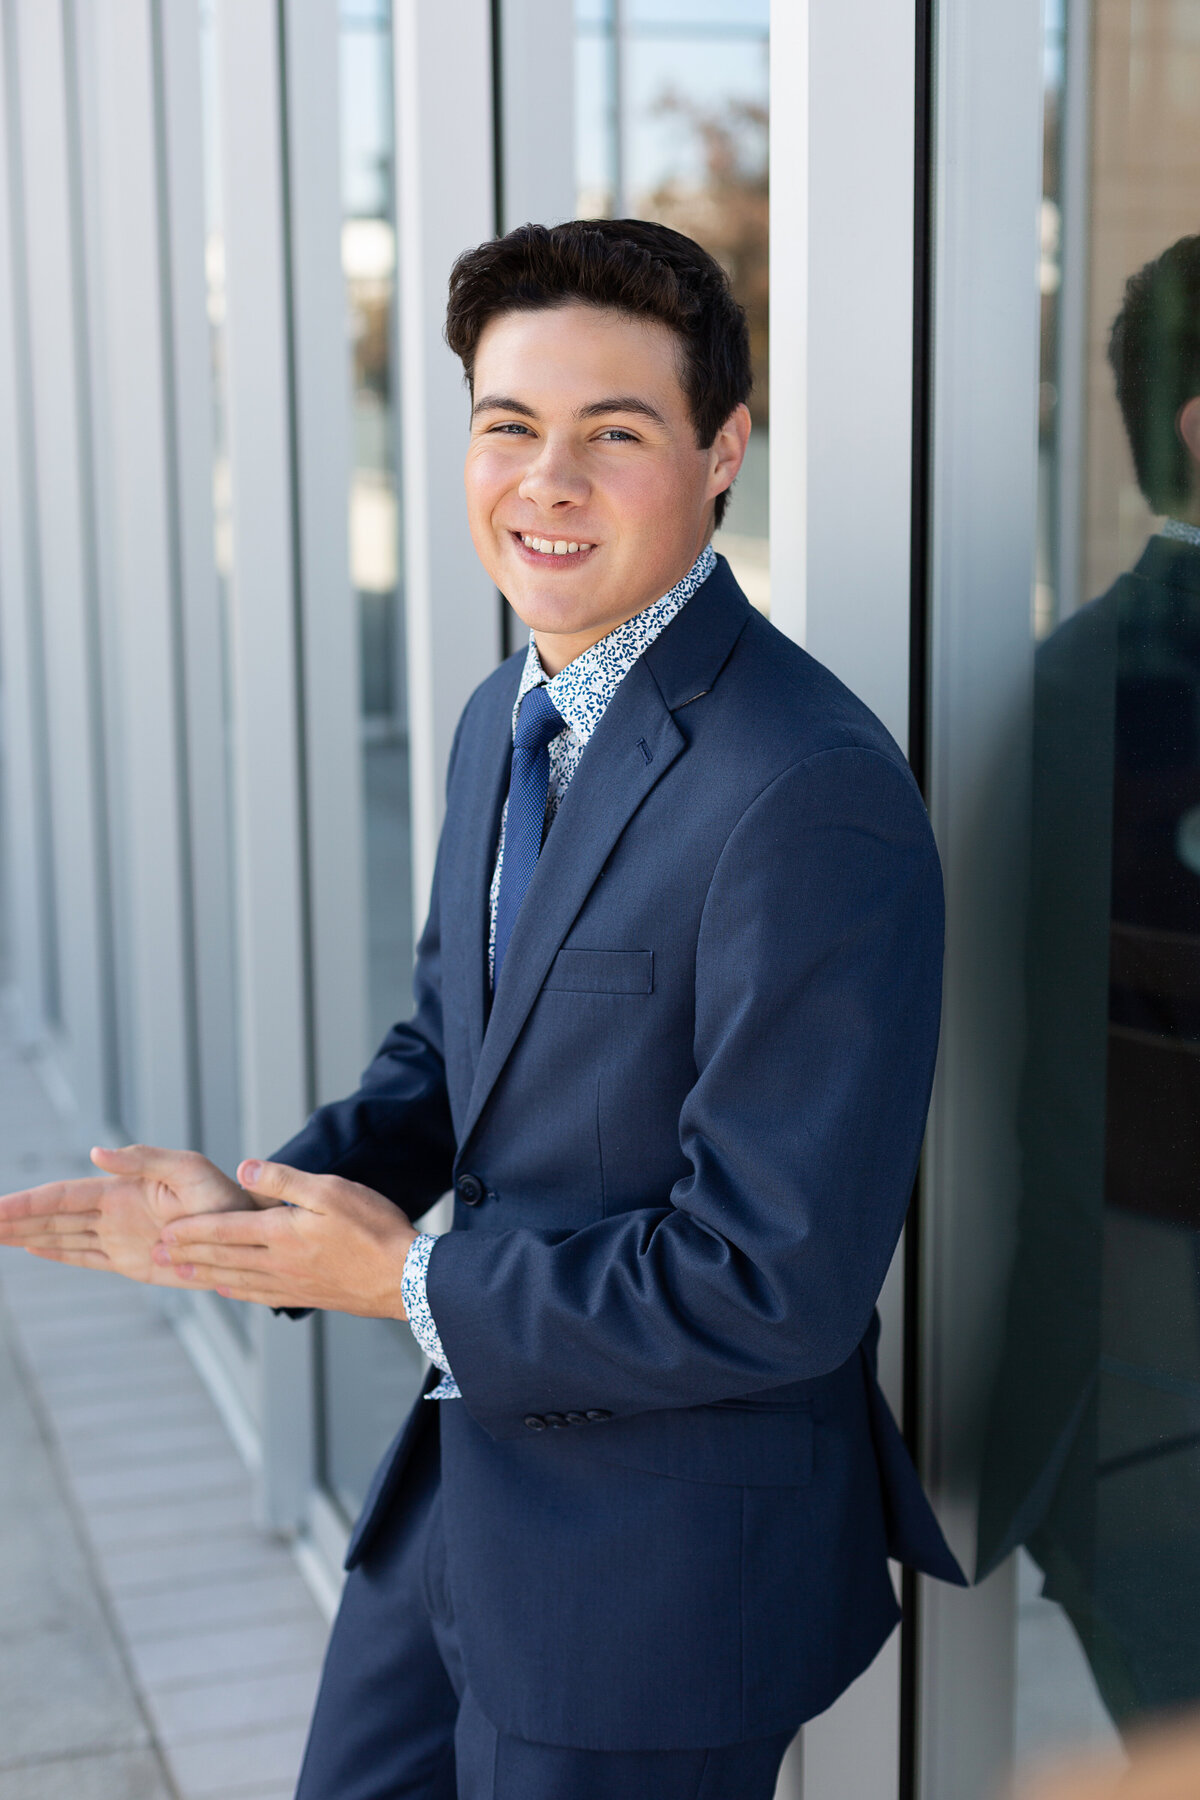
{"points": [[601, 972]]}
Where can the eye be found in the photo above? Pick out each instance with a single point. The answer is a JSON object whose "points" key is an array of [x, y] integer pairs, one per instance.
{"points": [[509, 425], [615, 434]]}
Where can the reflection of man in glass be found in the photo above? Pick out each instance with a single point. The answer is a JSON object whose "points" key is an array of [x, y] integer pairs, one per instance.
{"points": [[1093, 1457]]}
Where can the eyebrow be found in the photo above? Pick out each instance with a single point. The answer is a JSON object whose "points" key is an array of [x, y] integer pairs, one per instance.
{"points": [[595, 409], [621, 403], [502, 403]]}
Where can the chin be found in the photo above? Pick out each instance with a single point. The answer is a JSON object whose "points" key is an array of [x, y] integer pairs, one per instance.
{"points": [[541, 613], [548, 606]]}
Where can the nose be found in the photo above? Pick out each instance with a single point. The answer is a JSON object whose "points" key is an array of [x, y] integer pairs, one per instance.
{"points": [[554, 478]]}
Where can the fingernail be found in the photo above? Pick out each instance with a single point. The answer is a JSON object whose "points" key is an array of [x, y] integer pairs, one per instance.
{"points": [[187, 1270], [160, 1254], [250, 1173], [167, 1236]]}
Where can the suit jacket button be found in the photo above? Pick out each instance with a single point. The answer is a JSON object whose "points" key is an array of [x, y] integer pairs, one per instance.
{"points": [[556, 1419], [470, 1189], [576, 1418], [598, 1412], [535, 1422]]}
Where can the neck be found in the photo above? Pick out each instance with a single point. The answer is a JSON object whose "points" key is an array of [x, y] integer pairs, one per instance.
{"points": [[556, 649]]}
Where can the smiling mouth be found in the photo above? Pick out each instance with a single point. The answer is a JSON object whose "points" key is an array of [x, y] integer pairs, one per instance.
{"points": [[550, 550]]}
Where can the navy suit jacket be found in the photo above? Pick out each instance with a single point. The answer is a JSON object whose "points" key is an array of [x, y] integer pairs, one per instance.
{"points": [[683, 1137]]}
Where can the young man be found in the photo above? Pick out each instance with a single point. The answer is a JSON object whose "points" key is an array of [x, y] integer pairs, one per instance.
{"points": [[676, 1013]]}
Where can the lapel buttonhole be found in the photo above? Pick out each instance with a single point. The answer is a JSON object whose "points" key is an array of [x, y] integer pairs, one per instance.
{"points": [[647, 755]]}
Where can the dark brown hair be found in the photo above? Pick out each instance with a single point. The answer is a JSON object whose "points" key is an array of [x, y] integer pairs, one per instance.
{"points": [[1154, 350], [622, 265]]}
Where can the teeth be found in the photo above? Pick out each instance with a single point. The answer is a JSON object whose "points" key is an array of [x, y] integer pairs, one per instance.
{"points": [[549, 547]]}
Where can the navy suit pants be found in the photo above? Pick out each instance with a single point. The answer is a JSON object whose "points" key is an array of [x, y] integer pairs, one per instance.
{"points": [[396, 1720]]}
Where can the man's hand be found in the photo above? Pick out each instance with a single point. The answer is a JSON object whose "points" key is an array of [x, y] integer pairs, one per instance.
{"points": [[113, 1221], [333, 1245], [1162, 1764]]}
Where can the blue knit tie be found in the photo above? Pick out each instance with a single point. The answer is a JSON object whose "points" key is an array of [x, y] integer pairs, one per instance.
{"points": [[528, 787]]}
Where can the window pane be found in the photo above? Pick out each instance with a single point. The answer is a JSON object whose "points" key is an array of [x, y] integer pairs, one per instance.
{"points": [[371, 1368], [671, 124], [369, 264], [214, 267], [1093, 1463], [371, 1371]]}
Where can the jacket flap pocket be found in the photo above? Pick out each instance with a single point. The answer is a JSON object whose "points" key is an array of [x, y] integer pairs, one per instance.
{"points": [[707, 1443], [602, 972]]}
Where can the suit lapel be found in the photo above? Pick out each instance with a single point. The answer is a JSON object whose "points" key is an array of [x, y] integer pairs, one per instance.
{"points": [[468, 874], [634, 745]]}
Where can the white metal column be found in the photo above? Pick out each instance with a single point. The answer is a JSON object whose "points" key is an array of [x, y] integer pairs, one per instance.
{"points": [[190, 439], [270, 863], [843, 140], [445, 203], [1075, 151], [328, 606], [537, 104], [119, 127], [988, 101], [843, 131], [267, 780], [58, 378], [28, 899]]}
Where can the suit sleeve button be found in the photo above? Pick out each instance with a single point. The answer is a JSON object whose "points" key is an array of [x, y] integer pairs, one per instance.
{"points": [[597, 1413], [556, 1419], [576, 1418], [535, 1422], [470, 1189]]}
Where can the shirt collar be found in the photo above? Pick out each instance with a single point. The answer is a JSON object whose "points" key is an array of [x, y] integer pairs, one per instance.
{"points": [[1180, 532], [582, 690]]}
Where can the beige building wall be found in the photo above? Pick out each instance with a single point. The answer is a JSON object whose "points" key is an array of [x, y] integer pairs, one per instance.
{"points": [[1145, 193]]}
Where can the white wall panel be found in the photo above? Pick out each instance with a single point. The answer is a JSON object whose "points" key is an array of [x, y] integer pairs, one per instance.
{"points": [[117, 69], [190, 437], [842, 187], [445, 203], [269, 858], [329, 608], [789, 301], [537, 103], [988, 108], [28, 897], [843, 136], [270, 850], [58, 375]]}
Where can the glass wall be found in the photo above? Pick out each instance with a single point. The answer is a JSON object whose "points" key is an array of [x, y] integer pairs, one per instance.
{"points": [[222, 514], [1092, 1465], [369, 263], [371, 1367], [680, 96], [671, 124]]}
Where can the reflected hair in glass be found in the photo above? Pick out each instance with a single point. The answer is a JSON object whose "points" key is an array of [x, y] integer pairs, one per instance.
{"points": [[1154, 350], [632, 266]]}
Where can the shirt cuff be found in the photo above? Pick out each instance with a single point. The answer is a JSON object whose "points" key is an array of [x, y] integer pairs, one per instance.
{"points": [[416, 1305]]}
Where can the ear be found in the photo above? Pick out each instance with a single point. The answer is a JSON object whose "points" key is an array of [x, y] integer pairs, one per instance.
{"points": [[728, 451], [1187, 424]]}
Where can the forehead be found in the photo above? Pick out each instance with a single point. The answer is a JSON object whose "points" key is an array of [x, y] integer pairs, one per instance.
{"points": [[577, 353]]}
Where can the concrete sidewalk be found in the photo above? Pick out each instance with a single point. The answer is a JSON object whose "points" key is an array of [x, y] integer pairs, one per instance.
{"points": [[154, 1645]]}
